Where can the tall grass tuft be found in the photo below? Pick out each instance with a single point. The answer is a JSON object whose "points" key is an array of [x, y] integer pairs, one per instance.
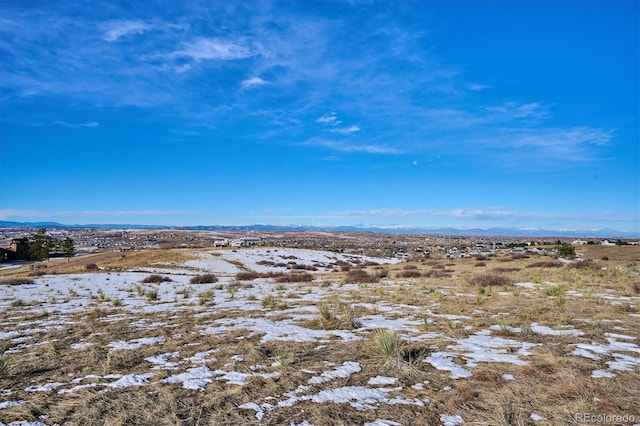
{"points": [[205, 296], [554, 290], [268, 301], [385, 346], [4, 366], [326, 314], [338, 315]]}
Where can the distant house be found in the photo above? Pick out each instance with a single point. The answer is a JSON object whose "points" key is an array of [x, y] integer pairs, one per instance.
{"points": [[221, 243], [18, 250], [246, 242]]}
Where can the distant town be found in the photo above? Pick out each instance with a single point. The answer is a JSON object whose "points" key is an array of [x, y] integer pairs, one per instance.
{"points": [[14, 242]]}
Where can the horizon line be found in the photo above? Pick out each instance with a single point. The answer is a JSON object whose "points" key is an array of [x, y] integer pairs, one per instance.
{"points": [[517, 231]]}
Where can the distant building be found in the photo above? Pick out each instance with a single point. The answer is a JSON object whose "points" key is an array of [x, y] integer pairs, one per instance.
{"points": [[18, 250], [221, 243], [246, 242]]}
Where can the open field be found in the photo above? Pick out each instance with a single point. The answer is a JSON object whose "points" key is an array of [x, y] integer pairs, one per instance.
{"points": [[284, 336]]}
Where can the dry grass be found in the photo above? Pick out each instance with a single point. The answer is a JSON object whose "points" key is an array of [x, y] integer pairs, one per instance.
{"points": [[294, 277], [554, 383], [491, 279], [613, 253], [150, 258], [16, 281], [385, 347], [361, 276]]}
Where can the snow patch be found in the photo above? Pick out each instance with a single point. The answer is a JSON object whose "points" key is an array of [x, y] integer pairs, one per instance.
{"points": [[382, 380], [345, 370], [195, 378], [134, 344], [8, 404], [448, 420], [444, 361]]}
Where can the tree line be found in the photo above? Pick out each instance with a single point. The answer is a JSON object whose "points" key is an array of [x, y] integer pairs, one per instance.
{"points": [[42, 246]]}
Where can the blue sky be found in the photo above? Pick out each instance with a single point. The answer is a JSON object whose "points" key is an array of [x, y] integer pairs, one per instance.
{"points": [[434, 114]]}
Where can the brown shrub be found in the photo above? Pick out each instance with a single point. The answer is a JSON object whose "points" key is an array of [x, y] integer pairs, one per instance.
{"points": [[585, 264], [91, 267], [16, 281], [248, 275], [361, 276], [545, 264], [500, 270], [299, 266], [438, 273], [491, 279], [203, 279], [156, 279], [294, 277], [410, 273]]}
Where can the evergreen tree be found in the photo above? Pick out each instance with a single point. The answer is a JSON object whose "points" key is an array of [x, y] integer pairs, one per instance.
{"points": [[68, 247], [566, 250], [41, 244]]}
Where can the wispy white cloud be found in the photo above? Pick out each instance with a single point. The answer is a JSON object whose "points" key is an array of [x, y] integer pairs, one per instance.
{"points": [[329, 119], [345, 130], [118, 29], [20, 214], [469, 217], [216, 49], [253, 82], [514, 110], [543, 147], [345, 146], [391, 84], [77, 125], [477, 87], [331, 122], [473, 213]]}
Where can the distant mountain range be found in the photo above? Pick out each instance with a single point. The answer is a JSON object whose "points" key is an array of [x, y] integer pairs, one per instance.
{"points": [[515, 232]]}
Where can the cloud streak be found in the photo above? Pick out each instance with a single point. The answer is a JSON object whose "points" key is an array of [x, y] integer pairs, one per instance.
{"points": [[392, 86], [350, 147], [253, 82], [12, 214], [468, 217], [216, 49], [88, 124], [119, 29]]}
